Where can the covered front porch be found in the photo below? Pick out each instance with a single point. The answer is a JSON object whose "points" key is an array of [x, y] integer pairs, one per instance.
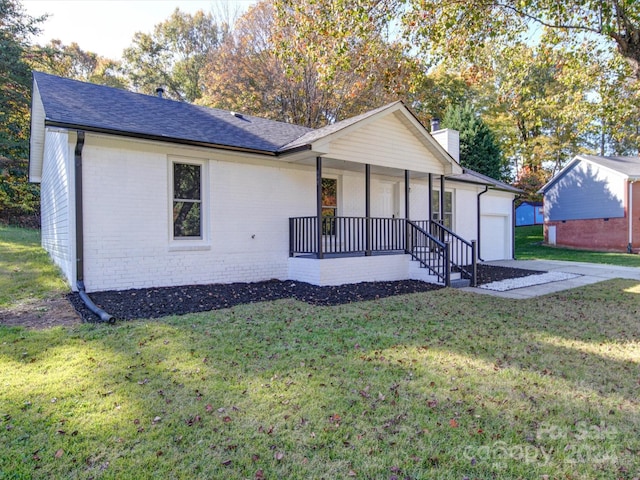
{"points": [[432, 252]]}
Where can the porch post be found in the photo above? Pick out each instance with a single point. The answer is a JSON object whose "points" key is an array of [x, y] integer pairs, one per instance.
{"points": [[319, 204], [442, 206], [430, 197], [407, 191], [442, 199], [367, 209]]}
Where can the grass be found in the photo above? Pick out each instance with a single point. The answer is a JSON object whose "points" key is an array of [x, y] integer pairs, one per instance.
{"points": [[417, 386], [529, 247], [26, 273], [445, 385]]}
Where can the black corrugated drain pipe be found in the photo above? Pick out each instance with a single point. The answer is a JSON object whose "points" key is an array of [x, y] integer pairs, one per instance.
{"points": [[102, 315]]}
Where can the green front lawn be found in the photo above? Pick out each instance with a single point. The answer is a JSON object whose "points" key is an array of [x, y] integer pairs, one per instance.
{"points": [[26, 273], [446, 385], [529, 247]]}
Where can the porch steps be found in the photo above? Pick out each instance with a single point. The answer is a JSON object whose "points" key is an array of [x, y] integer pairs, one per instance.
{"points": [[420, 272], [459, 282]]}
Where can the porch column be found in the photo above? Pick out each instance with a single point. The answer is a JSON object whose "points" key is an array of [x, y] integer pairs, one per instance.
{"points": [[407, 191], [319, 204], [367, 209], [429, 199], [442, 199]]}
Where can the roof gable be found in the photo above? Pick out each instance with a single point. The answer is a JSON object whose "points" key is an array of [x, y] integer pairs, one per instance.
{"points": [[628, 167], [373, 129]]}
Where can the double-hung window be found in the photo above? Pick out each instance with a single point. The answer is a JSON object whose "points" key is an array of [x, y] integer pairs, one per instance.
{"points": [[447, 220], [187, 201]]}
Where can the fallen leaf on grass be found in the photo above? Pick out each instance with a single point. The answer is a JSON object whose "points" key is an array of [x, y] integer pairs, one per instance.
{"points": [[453, 423], [59, 453], [279, 455], [192, 420]]}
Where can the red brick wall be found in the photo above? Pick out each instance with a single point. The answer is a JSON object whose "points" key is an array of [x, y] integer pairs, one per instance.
{"points": [[598, 234], [636, 217]]}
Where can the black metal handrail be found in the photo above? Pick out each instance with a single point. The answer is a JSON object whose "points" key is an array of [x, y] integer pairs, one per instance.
{"points": [[438, 249], [431, 252], [462, 255], [339, 235]]}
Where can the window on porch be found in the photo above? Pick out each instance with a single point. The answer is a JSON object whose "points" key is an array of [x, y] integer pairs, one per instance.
{"points": [[448, 208], [329, 205]]}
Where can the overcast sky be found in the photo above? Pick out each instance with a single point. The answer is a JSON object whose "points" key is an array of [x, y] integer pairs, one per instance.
{"points": [[106, 27]]}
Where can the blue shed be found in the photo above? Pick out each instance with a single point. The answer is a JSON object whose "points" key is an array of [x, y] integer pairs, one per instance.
{"points": [[529, 213]]}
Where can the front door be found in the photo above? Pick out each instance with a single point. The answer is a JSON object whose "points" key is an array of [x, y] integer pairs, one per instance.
{"points": [[385, 201]]}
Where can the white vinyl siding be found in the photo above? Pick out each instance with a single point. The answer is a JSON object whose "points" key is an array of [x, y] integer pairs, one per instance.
{"points": [[387, 142]]}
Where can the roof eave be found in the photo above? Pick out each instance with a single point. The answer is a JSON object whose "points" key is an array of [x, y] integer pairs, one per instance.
{"points": [[157, 138]]}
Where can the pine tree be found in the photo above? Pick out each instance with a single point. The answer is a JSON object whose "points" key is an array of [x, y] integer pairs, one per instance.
{"points": [[479, 150]]}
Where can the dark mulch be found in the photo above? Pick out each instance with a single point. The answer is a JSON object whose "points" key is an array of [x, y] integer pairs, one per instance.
{"points": [[160, 302], [492, 273]]}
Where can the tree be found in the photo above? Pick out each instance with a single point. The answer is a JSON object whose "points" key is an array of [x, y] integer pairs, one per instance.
{"points": [[174, 55], [16, 28], [71, 61], [17, 197], [479, 150], [530, 180], [282, 62], [459, 28]]}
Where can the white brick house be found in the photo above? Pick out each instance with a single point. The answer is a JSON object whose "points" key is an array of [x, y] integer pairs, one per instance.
{"points": [[140, 191]]}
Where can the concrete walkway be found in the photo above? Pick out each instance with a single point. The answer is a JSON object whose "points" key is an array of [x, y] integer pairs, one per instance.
{"points": [[589, 273]]}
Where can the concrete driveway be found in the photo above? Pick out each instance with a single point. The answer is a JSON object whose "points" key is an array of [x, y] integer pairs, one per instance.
{"points": [[588, 273]]}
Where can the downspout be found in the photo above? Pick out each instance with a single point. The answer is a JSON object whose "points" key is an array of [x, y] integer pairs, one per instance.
{"points": [[479, 219], [513, 227], [104, 316]]}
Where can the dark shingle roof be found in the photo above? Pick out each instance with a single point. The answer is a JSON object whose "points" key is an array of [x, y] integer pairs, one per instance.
{"points": [[100, 108], [472, 176]]}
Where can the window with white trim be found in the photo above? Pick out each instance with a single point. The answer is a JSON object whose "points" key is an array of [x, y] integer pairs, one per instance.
{"points": [[187, 201]]}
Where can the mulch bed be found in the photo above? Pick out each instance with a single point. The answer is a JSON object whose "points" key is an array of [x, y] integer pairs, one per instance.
{"points": [[161, 302]]}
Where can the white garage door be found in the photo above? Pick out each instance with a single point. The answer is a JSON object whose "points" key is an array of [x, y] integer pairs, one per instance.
{"points": [[494, 237]]}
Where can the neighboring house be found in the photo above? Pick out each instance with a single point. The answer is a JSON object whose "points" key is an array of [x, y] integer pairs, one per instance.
{"points": [[594, 203], [529, 213], [140, 191]]}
